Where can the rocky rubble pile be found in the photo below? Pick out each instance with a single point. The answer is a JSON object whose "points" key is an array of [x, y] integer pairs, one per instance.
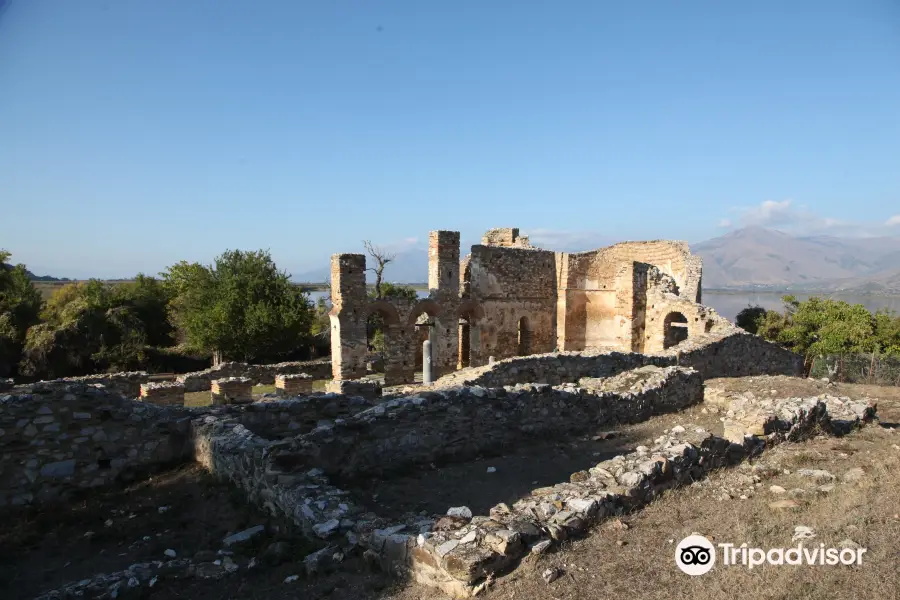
{"points": [[748, 414]]}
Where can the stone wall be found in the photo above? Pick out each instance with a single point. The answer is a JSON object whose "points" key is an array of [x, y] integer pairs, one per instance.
{"points": [[199, 381], [516, 289], [126, 383], [283, 418], [356, 387], [732, 354], [459, 424], [352, 308], [64, 437]]}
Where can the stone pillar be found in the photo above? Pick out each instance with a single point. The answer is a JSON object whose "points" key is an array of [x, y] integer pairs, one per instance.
{"points": [[232, 390], [443, 286], [348, 319], [169, 393], [426, 363], [291, 385]]}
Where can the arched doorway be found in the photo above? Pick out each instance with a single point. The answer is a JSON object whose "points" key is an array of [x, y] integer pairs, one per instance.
{"points": [[675, 329], [382, 321], [469, 340], [424, 324], [524, 337]]}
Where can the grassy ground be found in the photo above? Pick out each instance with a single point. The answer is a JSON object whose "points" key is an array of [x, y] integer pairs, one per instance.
{"points": [[204, 398]]}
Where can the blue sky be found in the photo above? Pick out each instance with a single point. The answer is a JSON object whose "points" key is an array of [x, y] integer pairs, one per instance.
{"points": [[137, 133]]}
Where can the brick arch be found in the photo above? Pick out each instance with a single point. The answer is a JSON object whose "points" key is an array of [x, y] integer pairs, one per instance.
{"points": [[469, 309], [426, 305], [384, 308]]}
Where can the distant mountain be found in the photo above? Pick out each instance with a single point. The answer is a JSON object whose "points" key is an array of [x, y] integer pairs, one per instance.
{"points": [[34, 277], [409, 266], [759, 258]]}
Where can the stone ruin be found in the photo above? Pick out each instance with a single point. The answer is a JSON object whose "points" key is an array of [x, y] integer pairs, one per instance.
{"points": [[508, 298], [582, 341]]}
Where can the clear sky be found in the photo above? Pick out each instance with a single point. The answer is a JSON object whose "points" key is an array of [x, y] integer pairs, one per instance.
{"points": [[137, 133]]}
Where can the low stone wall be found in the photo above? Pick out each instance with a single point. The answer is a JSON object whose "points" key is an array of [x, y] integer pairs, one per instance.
{"points": [[64, 437], [462, 423], [282, 418], [170, 393], [736, 354], [127, 383], [733, 354], [459, 553], [354, 387], [6, 384], [200, 381], [232, 390], [294, 384]]}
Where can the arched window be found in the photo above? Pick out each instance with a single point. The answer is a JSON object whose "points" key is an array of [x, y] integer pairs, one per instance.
{"points": [[524, 337], [675, 329]]}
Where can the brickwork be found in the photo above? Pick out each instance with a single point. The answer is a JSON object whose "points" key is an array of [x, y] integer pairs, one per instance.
{"points": [[291, 385], [169, 393], [232, 390]]}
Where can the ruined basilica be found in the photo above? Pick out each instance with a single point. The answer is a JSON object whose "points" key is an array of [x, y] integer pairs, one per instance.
{"points": [[507, 298]]}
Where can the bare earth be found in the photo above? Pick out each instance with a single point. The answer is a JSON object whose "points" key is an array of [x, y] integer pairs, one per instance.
{"points": [[633, 556]]}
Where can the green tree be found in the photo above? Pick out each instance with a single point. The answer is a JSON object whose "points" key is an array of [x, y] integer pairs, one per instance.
{"points": [[750, 318], [87, 327], [242, 307], [20, 307]]}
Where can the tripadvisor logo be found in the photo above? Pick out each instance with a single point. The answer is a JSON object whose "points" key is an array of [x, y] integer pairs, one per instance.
{"points": [[696, 555]]}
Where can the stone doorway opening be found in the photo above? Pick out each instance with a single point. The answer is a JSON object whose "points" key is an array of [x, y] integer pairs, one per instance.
{"points": [[675, 329]]}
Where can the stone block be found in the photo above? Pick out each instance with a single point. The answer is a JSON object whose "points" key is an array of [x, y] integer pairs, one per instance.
{"points": [[169, 393], [291, 385], [232, 390]]}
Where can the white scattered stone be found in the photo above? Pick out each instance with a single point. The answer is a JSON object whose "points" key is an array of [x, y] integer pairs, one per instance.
{"points": [[551, 574], [162, 509], [291, 578], [170, 553], [777, 489], [243, 536], [460, 511], [817, 474], [469, 537], [323, 530], [802, 532], [446, 547], [541, 547], [492, 469], [853, 475], [678, 429]]}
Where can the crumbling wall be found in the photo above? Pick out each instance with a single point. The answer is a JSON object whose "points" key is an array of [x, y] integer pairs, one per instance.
{"points": [[200, 381], [601, 294], [516, 287], [732, 353], [282, 418], [63, 437], [352, 308], [126, 383], [459, 424]]}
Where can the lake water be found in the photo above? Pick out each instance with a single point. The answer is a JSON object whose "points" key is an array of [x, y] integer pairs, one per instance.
{"points": [[730, 304]]}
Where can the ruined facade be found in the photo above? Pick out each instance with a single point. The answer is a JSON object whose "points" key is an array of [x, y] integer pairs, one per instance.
{"points": [[508, 298]]}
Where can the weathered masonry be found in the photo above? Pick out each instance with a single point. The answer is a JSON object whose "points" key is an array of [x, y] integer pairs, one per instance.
{"points": [[508, 298]]}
